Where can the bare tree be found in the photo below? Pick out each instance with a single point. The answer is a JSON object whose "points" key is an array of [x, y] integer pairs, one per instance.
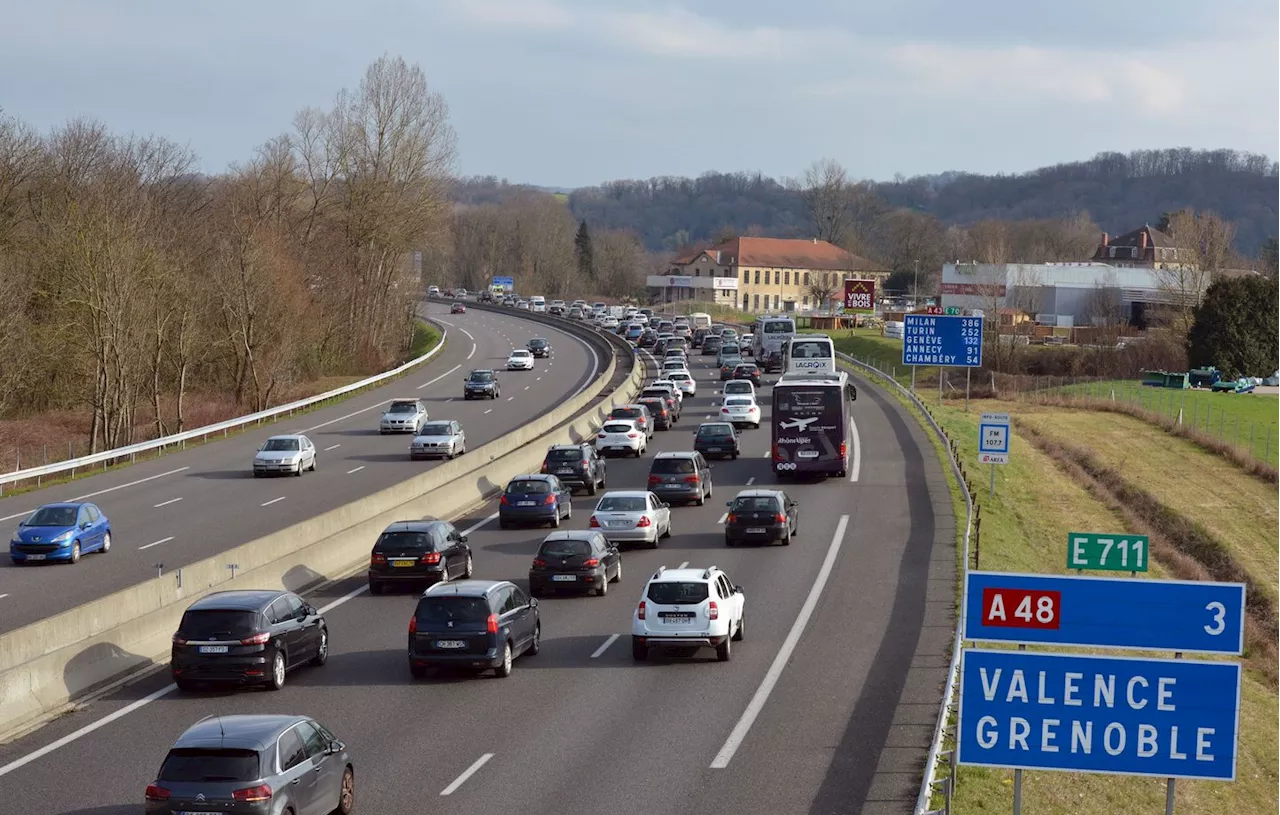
{"points": [[989, 242], [1203, 243], [620, 263], [828, 196], [1105, 309], [825, 288]]}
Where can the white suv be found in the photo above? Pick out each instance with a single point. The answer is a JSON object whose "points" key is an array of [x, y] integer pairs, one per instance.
{"points": [[688, 609]]}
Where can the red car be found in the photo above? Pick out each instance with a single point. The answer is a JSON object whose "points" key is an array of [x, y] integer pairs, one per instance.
{"points": [[458, 308]]}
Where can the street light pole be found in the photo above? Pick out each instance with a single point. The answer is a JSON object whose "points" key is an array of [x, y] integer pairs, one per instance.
{"points": [[915, 288]]}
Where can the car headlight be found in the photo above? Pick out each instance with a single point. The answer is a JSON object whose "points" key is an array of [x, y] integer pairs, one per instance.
{"points": [[64, 537], [16, 538]]}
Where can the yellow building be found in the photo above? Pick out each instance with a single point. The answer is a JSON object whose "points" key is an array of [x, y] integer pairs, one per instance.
{"points": [[771, 274]]}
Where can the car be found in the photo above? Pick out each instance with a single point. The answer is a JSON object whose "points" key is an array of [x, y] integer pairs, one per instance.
{"points": [[439, 439], [657, 407], [536, 498], [521, 359], [476, 624], [700, 334], [418, 552], [556, 310], [578, 561], [61, 533], [461, 294], [739, 387], [717, 440], [292, 454], [684, 381], [728, 334], [481, 383], [711, 345], [688, 609], [667, 396], [747, 344], [748, 371], [762, 516], [523, 305], [539, 347], [254, 763], [728, 366], [578, 466], [609, 323], [403, 416], [681, 476], [575, 313], [773, 362], [637, 413], [632, 516], [647, 339], [740, 410], [458, 308], [675, 353], [621, 436], [670, 385], [247, 637], [728, 350], [669, 365]]}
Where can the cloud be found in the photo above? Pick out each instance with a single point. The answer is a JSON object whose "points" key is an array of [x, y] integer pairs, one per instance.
{"points": [[538, 14]]}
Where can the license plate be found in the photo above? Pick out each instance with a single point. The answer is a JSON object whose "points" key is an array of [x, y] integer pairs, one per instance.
{"points": [[756, 530], [678, 620], [713, 449], [403, 564], [35, 557], [619, 523], [451, 644], [563, 578], [213, 649], [808, 454], [525, 503], [565, 472]]}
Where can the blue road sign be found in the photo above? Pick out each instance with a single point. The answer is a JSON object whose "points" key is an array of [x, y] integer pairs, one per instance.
{"points": [[1105, 612], [937, 339], [1172, 718], [505, 282]]}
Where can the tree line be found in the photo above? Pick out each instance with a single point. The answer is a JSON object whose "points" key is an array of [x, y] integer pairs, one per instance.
{"points": [[134, 284]]}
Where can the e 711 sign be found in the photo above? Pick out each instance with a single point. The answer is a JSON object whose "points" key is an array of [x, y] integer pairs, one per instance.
{"points": [[1112, 553]]}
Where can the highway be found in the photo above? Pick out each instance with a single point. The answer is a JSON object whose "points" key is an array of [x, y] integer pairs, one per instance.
{"points": [[826, 707], [189, 505]]}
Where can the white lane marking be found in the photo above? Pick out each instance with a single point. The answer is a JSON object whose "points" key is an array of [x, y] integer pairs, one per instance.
{"points": [[751, 480], [472, 352], [332, 447], [856, 468], [272, 501], [683, 565], [446, 322], [771, 677], [512, 398], [467, 773], [132, 706], [157, 543], [765, 454], [130, 484], [2, 596], [166, 503], [526, 387], [490, 410], [539, 379], [722, 517], [479, 524], [356, 470], [469, 335], [438, 378], [612, 639]]}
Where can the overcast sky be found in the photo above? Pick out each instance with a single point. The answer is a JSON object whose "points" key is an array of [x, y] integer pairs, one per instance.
{"points": [[576, 92]]}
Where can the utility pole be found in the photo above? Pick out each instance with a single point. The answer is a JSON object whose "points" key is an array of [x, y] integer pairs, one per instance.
{"points": [[915, 289]]}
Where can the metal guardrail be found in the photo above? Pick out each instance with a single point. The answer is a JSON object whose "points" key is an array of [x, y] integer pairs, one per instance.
{"points": [[200, 432], [949, 691]]}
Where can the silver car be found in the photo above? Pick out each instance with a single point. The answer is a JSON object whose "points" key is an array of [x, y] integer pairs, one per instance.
{"points": [[439, 439], [632, 516], [403, 416], [291, 455], [268, 764]]}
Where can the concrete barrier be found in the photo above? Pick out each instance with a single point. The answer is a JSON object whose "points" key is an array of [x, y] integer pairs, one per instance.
{"points": [[48, 665]]}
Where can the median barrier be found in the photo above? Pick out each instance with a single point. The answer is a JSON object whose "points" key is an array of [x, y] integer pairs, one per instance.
{"points": [[48, 665]]}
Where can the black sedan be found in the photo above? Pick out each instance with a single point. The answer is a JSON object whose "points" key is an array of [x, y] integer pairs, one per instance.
{"points": [[761, 516], [717, 440], [748, 371], [575, 561], [539, 347]]}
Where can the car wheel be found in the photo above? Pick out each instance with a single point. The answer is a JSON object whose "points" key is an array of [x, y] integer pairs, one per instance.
{"points": [[639, 651], [504, 670], [617, 576], [786, 539], [666, 533], [276, 680], [322, 651], [727, 540], [471, 567], [568, 511], [75, 552], [724, 651], [591, 488], [184, 685], [536, 644], [347, 793], [603, 588], [315, 462], [742, 628], [555, 522], [106, 542]]}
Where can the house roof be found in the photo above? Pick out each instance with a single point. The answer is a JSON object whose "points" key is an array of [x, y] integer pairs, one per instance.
{"points": [[1155, 238], [786, 253]]}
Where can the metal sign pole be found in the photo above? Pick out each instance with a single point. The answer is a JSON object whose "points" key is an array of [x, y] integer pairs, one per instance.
{"points": [[1172, 782], [913, 379], [993, 481], [968, 376], [1017, 774], [940, 372]]}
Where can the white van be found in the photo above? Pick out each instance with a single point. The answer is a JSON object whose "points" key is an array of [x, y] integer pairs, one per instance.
{"points": [[538, 303], [700, 319]]}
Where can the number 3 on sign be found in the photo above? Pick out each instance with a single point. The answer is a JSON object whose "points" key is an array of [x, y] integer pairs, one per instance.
{"points": [[1219, 623]]}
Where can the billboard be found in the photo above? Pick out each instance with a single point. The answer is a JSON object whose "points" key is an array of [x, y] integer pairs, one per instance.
{"points": [[859, 295]]}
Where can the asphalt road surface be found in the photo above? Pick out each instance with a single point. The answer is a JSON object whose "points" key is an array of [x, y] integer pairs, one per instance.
{"points": [[190, 505], [826, 707]]}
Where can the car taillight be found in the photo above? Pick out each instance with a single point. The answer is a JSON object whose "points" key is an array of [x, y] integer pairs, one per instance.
{"points": [[724, 410], [378, 559], [640, 610], [491, 624], [504, 501], [644, 521], [731, 518], [413, 625], [544, 467], [257, 639], [591, 563], [430, 558], [633, 435], [653, 479], [779, 518], [691, 479], [550, 499], [155, 792], [713, 612], [595, 522], [253, 794], [179, 640], [539, 563]]}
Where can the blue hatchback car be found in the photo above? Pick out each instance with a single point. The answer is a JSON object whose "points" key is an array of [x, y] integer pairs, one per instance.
{"points": [[542, 499], [61, 532]]}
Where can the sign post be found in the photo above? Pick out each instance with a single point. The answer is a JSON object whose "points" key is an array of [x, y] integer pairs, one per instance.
{"points": [[993, 442], [943, 341], [1108, 553]]}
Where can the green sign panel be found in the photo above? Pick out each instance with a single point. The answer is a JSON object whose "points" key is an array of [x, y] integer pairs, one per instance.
{"points": [[1112, 553], [952, 310]]}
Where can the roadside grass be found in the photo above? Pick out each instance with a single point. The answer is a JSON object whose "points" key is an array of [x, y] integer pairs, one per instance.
{"points": [[1024, 528]]}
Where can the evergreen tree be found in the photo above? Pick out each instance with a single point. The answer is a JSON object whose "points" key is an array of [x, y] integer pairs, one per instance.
{"points": [[1235, 327], [582, 252]]}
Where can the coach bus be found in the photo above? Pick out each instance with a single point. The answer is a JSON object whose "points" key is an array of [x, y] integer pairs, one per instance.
{"points": [[811, 425], [769, 334]]}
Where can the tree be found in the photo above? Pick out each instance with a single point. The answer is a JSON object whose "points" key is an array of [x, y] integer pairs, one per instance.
{"points": [[1268, 256], [582, 254], [620, 263], [825, 288], [828, 198], [1235, 327], [1105, 308], [1203, 243]]}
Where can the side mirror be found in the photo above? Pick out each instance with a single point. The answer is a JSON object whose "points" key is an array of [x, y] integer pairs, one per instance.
{"points": [[738, 590], [84, 524], [462, 538], [533, 602], [335, 747]]}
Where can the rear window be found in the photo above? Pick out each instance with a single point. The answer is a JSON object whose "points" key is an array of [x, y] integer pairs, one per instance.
{"points": [[673, 593], [738, 402], [564, 455], [738, 387], [213, 624], [715, 430], [622, 503], [657, 393], [672, 465], [655, 406], [405, 540], [191, 764], [757, 503], [626, 413], [455, 609], [565, 548], [528, 488], [617, 427]]}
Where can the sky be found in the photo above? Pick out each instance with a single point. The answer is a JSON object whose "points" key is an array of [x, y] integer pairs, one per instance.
{"points": [[568, 93]]}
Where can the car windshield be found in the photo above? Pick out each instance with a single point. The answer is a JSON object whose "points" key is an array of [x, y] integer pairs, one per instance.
{"points": [[564, 455], [197, 764], [280, 445], [404, 407], [715, 430], [622, 503], [218, 623], [565, 548], [617, 427], [672, 465], [537, 343], [528, 487], [677, 593], [53, 516], [404, 539], [738, 403], [757, 503], [452, 609], [481, 376], [436, 429]]}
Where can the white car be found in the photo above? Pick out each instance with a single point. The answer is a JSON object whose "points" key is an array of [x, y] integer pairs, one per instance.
{"points": [[739, 387], [609, 322], [403, 416], [669, 383], [439, 440], [741, 410], [669, 365], [632, 516], [684, 608], [621, 436], [684, 381], [521, 359], [747, 341], [292, 454]]}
